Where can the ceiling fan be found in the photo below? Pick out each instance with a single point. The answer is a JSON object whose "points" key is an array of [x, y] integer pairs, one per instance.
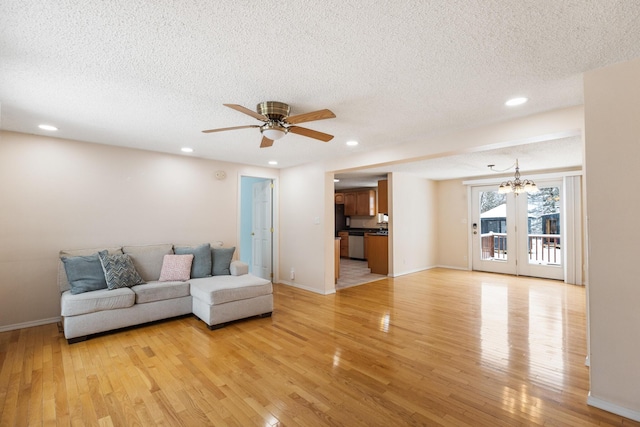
{"points": [[277, 122]]}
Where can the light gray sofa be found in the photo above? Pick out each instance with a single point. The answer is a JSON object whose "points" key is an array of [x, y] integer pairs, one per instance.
{"points": [[216, 289]]}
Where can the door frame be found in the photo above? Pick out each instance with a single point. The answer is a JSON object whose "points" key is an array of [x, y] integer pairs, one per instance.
{"points": [[275, 262]]}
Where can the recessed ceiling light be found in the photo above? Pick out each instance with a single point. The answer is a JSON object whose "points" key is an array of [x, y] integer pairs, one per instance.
{"points": [[352, 143], [186, 150], [47, 127], [273, 162], [336, 180], [516, 101]]}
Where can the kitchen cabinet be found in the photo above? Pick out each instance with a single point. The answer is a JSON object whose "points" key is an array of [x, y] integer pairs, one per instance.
{"points": [[339, 198], [378, 254], [383, 197], [366, 203], [350, 204], [366, 244], [360, 203], [337, 257], [344, 243]]}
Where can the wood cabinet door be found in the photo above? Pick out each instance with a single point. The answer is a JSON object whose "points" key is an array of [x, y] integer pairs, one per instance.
{"points": [[366, 203], [383, 196], [344, 243], [366, 244], [350, 204], [339, 198]]}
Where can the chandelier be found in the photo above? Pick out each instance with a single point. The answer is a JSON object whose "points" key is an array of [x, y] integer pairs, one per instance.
{"points": [[518, 185]]}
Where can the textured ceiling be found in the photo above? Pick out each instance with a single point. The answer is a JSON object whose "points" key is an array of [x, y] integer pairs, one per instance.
{"points": [[153, 74], [542, 156]]}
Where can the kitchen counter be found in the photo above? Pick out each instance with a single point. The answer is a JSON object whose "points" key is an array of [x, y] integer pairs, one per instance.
{"points": [[361, 231], [378, 253], [336, 251]]}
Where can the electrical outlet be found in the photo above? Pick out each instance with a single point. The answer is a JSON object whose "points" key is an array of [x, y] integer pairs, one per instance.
{"points": [[292, 274]]}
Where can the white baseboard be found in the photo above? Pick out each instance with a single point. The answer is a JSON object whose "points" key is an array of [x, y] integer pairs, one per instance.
{"points": [[306, 288], [416, 270], [29, 324], [450, 267], [614, 409]]}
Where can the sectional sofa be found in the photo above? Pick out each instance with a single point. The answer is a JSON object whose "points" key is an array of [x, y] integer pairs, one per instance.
{"points": [[104, 289]]}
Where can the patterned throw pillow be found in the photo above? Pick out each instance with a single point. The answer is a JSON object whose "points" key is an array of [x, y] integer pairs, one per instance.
{"points": [[119, 271], [176, 268]]}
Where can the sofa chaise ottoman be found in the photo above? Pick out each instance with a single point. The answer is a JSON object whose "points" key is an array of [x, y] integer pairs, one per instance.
{"points": [[164, 281]]}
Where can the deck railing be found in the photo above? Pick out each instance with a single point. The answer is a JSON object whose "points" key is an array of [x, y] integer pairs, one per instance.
{"points": [[543, 248], [494, 246]]}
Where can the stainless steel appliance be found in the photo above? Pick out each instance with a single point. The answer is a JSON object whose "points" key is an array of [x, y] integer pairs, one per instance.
{"points": [[356, 246]]}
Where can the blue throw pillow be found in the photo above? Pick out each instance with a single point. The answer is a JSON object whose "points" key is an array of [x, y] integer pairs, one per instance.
{"points": [[119, 271], [201, 265], [84, 273], [221, 259]]}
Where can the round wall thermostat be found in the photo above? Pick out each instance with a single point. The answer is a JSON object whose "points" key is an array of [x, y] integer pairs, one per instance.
{"points": [[221, 175]]}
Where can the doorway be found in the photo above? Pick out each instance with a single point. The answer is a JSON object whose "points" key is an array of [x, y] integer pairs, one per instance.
{"points": [[519, 234], [256, 225]]}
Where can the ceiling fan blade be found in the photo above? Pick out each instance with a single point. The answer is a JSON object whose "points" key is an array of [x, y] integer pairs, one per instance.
{"points": [[247, 111], [311, 133], [266, 142], [312, 116], [231, 128]]}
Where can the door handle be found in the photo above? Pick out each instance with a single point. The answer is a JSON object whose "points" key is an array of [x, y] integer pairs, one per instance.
{"points": [[475, 228]]}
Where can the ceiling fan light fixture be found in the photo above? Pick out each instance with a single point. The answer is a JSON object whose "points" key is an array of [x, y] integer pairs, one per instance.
{"points": [[273, 131]]}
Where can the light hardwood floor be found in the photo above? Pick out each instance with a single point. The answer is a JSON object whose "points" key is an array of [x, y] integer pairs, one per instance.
{"points": [[440, 347]]}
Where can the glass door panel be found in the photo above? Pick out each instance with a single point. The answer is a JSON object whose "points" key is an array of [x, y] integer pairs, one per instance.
{"points": [[542, 249], [493, 231]]}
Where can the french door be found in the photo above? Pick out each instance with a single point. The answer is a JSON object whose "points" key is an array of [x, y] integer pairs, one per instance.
{"points": [[520, 235]]}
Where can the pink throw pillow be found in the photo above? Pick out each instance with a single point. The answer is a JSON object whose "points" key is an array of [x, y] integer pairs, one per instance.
{"points": [[176, 268]]}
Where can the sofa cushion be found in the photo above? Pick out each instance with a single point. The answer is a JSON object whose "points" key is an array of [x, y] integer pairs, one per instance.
{"points": [[221, 260], [63, 282], [238, 268], [176, 268], [84, 273], [89, 302], [201, 266], [221, 289], [148, 259], [158, 291], [119, 270]]}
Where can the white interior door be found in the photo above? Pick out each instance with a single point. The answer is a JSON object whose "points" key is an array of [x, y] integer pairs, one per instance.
{"points": [[262, 230], [520, 235]]}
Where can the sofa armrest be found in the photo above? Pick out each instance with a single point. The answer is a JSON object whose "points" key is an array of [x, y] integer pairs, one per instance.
{"points": [[238, 268]]}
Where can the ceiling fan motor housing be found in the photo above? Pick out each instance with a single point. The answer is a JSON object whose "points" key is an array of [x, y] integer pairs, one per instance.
{"points": [[274, 110]]}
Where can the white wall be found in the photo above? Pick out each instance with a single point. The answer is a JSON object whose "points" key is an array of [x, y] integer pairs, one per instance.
{"points": [[306, 216], [413, 223], [612, 148], [60, 194], [453, 228]]}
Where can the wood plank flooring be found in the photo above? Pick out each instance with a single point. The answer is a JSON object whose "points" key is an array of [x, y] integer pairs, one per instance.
{"points": [[439, 347]]}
